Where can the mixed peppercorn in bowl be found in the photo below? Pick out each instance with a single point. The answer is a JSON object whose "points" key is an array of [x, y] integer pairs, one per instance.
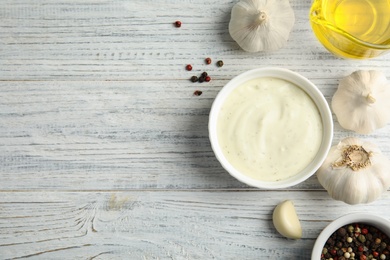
{"points": [[358, 236]]}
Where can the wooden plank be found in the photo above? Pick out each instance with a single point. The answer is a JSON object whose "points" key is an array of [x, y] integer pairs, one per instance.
{"points": [[136, 40], [114, 135], [104, 151], [162, 225]]}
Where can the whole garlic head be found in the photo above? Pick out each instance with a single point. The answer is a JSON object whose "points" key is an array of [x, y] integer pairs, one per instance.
{"points": [[361, 102], [355, 172], [261, 25]]}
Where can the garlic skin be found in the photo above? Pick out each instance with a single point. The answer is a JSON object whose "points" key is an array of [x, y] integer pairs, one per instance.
{"points": [[363, 184], [261, 25], [361, 102]]}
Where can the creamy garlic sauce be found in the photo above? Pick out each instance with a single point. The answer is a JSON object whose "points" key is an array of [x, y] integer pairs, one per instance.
{"points": [[269, 129]]}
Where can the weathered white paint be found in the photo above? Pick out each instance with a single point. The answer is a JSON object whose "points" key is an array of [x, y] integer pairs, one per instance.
{"points": [[104, 151], [150, 224]]}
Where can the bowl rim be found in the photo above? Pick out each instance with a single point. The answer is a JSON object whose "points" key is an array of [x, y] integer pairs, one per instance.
{"points": [[359, 217], [306, 85]]}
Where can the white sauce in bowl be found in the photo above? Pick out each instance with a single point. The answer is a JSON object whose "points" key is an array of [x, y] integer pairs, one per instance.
{"points": [[269, 129]]}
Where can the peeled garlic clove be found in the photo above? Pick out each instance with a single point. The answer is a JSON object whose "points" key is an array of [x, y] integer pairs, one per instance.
{"points": [[286, 220], [361, 102], [261, 25]]}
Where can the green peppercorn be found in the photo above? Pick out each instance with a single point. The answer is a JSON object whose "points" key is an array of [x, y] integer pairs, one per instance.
{"points": [[219, 63], [362, 238], [351, 229]]}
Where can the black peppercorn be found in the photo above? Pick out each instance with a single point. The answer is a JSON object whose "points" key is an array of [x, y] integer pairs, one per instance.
{"points": [[341, 231], [219, 63], [194, 78], [198, 93]]}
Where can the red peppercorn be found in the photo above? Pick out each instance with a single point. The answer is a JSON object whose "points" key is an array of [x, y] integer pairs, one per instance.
{"points": [[189, 67], [207, 78], [208, 61], [364, 231], [363, 257], [333, 252], [375, 254], [178, 24], [360, 248]]}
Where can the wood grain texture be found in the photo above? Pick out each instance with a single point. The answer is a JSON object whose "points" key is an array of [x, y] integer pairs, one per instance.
{"points": [[162, 225], [104, 150]]}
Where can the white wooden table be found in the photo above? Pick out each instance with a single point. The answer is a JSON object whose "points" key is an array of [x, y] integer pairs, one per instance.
{"points": [[104, 150]]}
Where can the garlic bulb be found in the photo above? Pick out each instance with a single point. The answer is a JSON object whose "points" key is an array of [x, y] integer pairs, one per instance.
{"points": [[261, 25], [355, 172], [361, 102]]}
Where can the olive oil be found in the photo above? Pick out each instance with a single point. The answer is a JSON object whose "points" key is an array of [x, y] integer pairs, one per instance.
{"points": [[352, 28]]}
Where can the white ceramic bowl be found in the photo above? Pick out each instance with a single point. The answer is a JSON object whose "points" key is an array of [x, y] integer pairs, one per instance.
{"points": [[369, 219], [310, 89]]}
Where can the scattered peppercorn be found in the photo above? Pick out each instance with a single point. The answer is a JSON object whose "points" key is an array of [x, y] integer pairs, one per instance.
{"points": [[197, 93], [219, 63], [207, 78], [178, 24], [208, 61], [189, 67], [194, 78], [203, 77]]}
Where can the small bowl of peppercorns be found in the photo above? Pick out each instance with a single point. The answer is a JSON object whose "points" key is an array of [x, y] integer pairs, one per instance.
{"points": [[358, 236]]}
